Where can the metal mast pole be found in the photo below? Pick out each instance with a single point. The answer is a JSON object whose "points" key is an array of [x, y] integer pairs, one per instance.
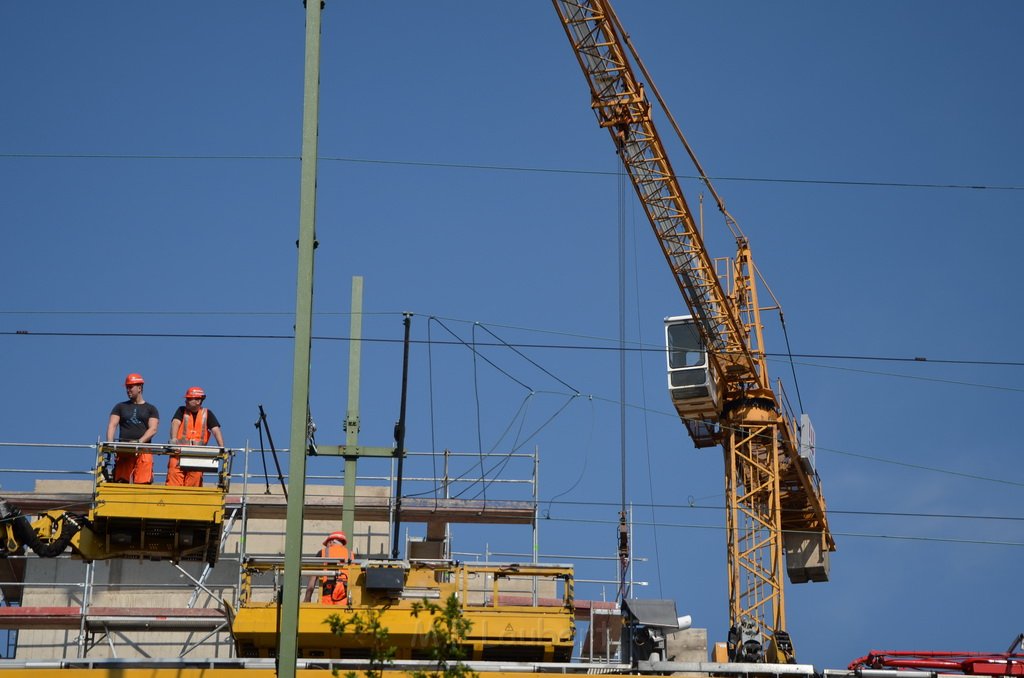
{"points": [[400, 435], [288, 641], [348, 510]]}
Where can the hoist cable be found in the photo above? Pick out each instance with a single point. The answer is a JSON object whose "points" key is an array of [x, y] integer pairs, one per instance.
{"points": [[792, 365], [624, 547]]}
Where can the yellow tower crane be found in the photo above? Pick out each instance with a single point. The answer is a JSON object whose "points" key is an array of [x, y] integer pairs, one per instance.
{"points": [[718, 377]]}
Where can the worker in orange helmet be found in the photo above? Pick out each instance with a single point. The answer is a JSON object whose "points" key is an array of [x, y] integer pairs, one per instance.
{"points": [[135, 421], [192, 425], [334, 588]]}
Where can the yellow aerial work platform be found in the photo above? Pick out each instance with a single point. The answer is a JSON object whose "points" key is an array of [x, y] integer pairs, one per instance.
{"points": [[142, 521], [157, 522], [506, 625]]}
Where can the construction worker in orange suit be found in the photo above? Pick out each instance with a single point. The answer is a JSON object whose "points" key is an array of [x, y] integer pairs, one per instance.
{"points": [[192, 425], [135, 421], [333, 589]]}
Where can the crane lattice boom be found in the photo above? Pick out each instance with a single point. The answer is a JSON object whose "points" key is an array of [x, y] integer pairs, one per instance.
{"points": [[773, 498], [623, 109]]}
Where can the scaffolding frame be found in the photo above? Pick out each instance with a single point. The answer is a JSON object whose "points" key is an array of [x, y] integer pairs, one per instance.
{"points": [[113, 627]]}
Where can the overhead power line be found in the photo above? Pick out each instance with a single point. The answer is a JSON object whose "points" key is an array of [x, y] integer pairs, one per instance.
{"points": [[820, 448], [494, 344], [831, 511], [142, 156], [577, 347], [537, 330], [860, 535], [916, 377], [897, 359], [178, 313], [506, 168], [503, 344]]}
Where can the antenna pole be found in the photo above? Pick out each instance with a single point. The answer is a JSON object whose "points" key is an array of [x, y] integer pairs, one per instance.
{"points": [[400, 436]]}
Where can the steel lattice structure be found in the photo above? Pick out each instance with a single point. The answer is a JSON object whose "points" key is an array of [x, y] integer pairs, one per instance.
{"points": [[768, 491]]}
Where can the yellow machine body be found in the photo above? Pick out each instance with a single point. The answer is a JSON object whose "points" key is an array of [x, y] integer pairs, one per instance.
{"points": [[156, 522], [153, 522], [496, 599], [142, 521]]}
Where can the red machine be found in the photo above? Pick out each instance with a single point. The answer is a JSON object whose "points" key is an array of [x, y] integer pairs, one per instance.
{"points": [[1009, 663]]}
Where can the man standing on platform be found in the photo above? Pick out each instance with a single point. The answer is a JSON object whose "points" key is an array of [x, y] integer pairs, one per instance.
{"points": [[333, 589], [135, 421], [192, 425]]}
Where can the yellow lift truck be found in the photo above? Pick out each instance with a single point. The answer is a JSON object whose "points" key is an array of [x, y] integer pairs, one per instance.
{"points": [[145, 522], [520, 613]]}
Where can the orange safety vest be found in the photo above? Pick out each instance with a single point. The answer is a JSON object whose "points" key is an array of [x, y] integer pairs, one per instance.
{"points": [[193, 428], [334, 590]]}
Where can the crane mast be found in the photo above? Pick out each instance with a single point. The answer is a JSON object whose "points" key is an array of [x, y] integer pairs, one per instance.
{"points": [[774, 504]]}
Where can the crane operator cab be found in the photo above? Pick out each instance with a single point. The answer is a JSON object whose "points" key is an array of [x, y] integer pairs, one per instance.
{"points": [[693, 382]]}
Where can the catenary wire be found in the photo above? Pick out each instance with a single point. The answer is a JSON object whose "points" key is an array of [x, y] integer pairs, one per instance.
{"points": [[505, 168], [914, 377], [499, 468], [527, 358], [536, 330], [598, 398], [862, 535], [830, 511], [586, 458], [459, 342], [554, 501], [462, 342], [881, 460], [571, 397]]}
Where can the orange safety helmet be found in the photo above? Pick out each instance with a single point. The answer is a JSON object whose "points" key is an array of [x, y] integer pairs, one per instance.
{"points": [[195, 392], [336, 536], [133, 379]]}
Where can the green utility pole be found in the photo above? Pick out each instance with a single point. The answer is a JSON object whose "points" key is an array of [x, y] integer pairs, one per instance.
{"points": [[348, 512], [351, 451], [288, 640]]}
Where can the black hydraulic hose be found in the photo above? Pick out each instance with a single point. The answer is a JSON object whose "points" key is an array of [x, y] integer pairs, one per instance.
{"points": [[26, 535]]}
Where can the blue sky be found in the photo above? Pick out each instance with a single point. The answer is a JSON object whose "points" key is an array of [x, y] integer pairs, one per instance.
{"points": [[150, 173]]}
